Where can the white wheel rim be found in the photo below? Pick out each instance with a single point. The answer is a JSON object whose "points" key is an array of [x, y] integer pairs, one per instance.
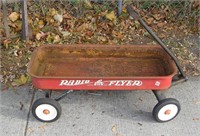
{"points": [[173, 110], [39, 111]]}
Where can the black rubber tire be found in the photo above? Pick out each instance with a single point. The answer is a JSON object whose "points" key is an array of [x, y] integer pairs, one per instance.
{"points": [[163, 103], [49, 101]]}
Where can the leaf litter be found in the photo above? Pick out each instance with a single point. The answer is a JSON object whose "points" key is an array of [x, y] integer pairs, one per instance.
{"points": [[95, 27]]}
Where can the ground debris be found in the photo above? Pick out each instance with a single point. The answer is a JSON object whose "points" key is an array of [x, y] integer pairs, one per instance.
{"points": [[102, 27]]}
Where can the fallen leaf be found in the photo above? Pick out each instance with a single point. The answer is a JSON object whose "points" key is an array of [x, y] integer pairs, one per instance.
{"points": [[40, 35], [30, 130], [41, 24], [198, 102], [58, 18], [111, 16], [13, 16], [158, 16], [89, 33], [84, 26], [118, 35], [18, 25], [49, 38], [65, 33], [114, 128], [42, 127], [160, 24], [150, 20], [67, 16], [87, 3], [101, 38], [22, 80], [118, 134], [6, 43], [52, 12], [81, 27], [196, 119], [56, 39]]}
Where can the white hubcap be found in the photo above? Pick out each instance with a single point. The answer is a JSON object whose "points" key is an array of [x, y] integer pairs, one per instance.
{"points": [[167, 112], [46, 112]]}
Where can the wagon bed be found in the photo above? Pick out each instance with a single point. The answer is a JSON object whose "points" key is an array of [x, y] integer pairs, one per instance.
{"points": [[115, 67]]}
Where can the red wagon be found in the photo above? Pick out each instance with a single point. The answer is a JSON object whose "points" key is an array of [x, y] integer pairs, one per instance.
{"points": [[105, 67]]}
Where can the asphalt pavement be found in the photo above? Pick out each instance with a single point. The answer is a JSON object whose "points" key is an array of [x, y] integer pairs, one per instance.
{"points": [[101, 113]]}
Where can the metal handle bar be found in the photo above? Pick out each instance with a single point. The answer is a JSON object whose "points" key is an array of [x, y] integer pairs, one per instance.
{"points": [[136, 16]]}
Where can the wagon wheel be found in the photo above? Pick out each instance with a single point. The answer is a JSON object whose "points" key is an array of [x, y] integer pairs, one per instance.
{"points": [[166, 110], [46, 110]]}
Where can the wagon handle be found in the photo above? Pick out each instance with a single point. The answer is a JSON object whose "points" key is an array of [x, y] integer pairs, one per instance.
{"points": [[136, 16]]}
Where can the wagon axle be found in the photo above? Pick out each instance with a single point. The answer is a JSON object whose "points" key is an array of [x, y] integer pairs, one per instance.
{"points": [[48, 109]]}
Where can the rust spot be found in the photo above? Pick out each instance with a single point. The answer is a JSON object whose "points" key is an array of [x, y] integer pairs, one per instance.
{"points": [[46, 111], [100, 61], [167, 112]]}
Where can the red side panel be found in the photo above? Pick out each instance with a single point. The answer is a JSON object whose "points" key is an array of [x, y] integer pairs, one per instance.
{"points": [[103, 84]]}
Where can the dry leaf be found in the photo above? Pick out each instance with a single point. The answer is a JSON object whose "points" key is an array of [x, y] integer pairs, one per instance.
{"points": [[67, 16], [40, 35], [111, 16], [30, 130], [114, 128], [196, 119], [52, 12], [87, 3], [118, 134], [58, 18], [149, 21], [6, 43], [22, 80], [18, 25], [118, 35], [41, 24], [160, 24], [13, 16], [198, 102], [158, 16], [82, 27], [65, 33], [101, 38], [89, 33], [56, 39]]}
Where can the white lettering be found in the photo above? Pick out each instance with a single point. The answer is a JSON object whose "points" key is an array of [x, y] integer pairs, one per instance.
{"points": [[74, 82], [102, 83], [111, 83], [118, 83], [71, 82], [78, 82], [99, 83], [63, 82], [128, 83], [123, 82], [137, 83]]}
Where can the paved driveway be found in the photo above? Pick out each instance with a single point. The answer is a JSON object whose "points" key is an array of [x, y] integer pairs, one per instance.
{"points": [[106, 113]]}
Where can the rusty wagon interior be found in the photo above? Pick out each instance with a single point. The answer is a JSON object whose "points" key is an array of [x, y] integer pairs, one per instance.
{"points": [[100, 61]]}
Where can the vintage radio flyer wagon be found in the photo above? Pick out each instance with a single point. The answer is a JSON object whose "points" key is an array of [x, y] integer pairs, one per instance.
{"points": [[105, 67]]}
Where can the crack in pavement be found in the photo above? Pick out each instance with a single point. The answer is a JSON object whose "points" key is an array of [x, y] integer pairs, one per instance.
{"points": [[29, 111]]}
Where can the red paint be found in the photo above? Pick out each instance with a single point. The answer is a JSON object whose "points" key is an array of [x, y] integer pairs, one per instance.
{"points": [[156, 83]]}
